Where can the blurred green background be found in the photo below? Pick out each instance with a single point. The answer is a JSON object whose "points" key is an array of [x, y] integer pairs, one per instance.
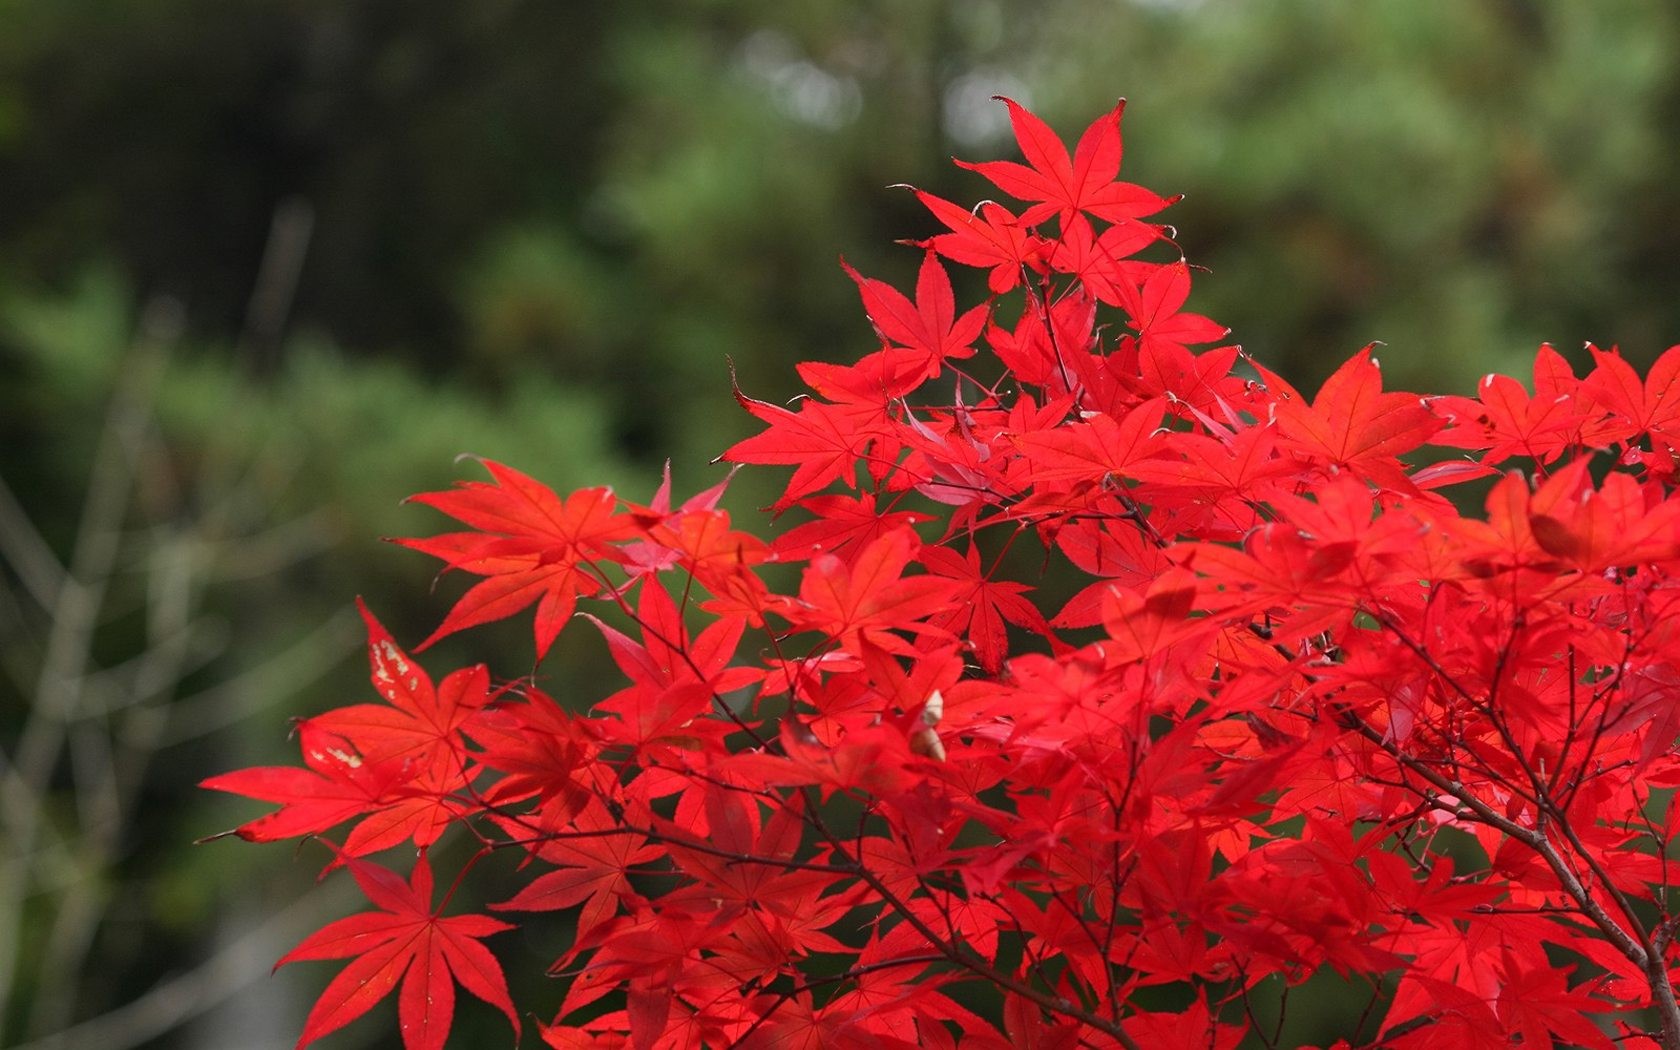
{"points": [[268, 266]]}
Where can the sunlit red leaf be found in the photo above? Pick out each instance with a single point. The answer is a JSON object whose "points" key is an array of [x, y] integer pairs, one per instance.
{"points": [[1086, 182], [403, 941]]}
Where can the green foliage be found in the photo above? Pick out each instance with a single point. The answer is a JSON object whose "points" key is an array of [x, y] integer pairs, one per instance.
{"points": [[321, 433]]}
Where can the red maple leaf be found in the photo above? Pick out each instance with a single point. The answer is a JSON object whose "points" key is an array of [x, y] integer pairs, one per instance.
{"points": [[591, 870], [401, 765], [994, 239], [398, 797], [1506, 421], [1100, 262], [842, 523], [1352, 424], [674, 679], [1651, 407], [335, 787], [1111, 550], [865, 602], [1157, 312], [1142, 624], [1065, 186], [404, 941], [1314, 684], [1537, 1001], [1593, 530], [982, 605], [419, 721], [718, 557], [1039, 350], [1101, 450], [929, 326], [823, 442], [530, 545]]}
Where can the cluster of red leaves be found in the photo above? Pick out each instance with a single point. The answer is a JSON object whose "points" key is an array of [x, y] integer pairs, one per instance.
{"points": [[1304, 716]]}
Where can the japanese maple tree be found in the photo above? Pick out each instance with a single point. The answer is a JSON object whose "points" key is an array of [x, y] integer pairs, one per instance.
{"points": [[1300, 715]]}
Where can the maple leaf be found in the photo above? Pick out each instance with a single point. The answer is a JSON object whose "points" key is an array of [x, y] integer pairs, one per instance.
{"points": [[865, 602], [1100, 261], [675, 680], [418, 721], [1144, 624], [1651, 407], [708, 547], [719, 557], [405, 940], [1505, 421], [653, 554], [1157, 316], [871, 759], [593, 863], [769, 905], [532, 546], [1196, 1027], [1537, 1001], [1352, 423], [1595, 529], [929, 327], [539, 748], [993, 240], [1038, 350], [398, 797], [402, 765], [1193, 384], [982, 605], [1100, 450], [949, 463], [1064, 186], [1216, 485], [1112, 550], [1279, 567], [821, 441], [1531, 542], [866, 389], [1456, 1017], [843, 523]]}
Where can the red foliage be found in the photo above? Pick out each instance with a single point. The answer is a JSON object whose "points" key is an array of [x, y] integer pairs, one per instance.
{"points": [[1303, 715]]}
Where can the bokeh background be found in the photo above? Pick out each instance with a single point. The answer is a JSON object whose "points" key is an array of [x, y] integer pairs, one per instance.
{"points": [[267, 266]]}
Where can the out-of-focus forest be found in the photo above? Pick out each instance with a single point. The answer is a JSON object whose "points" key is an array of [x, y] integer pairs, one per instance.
{"points": [[268, 266]]}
